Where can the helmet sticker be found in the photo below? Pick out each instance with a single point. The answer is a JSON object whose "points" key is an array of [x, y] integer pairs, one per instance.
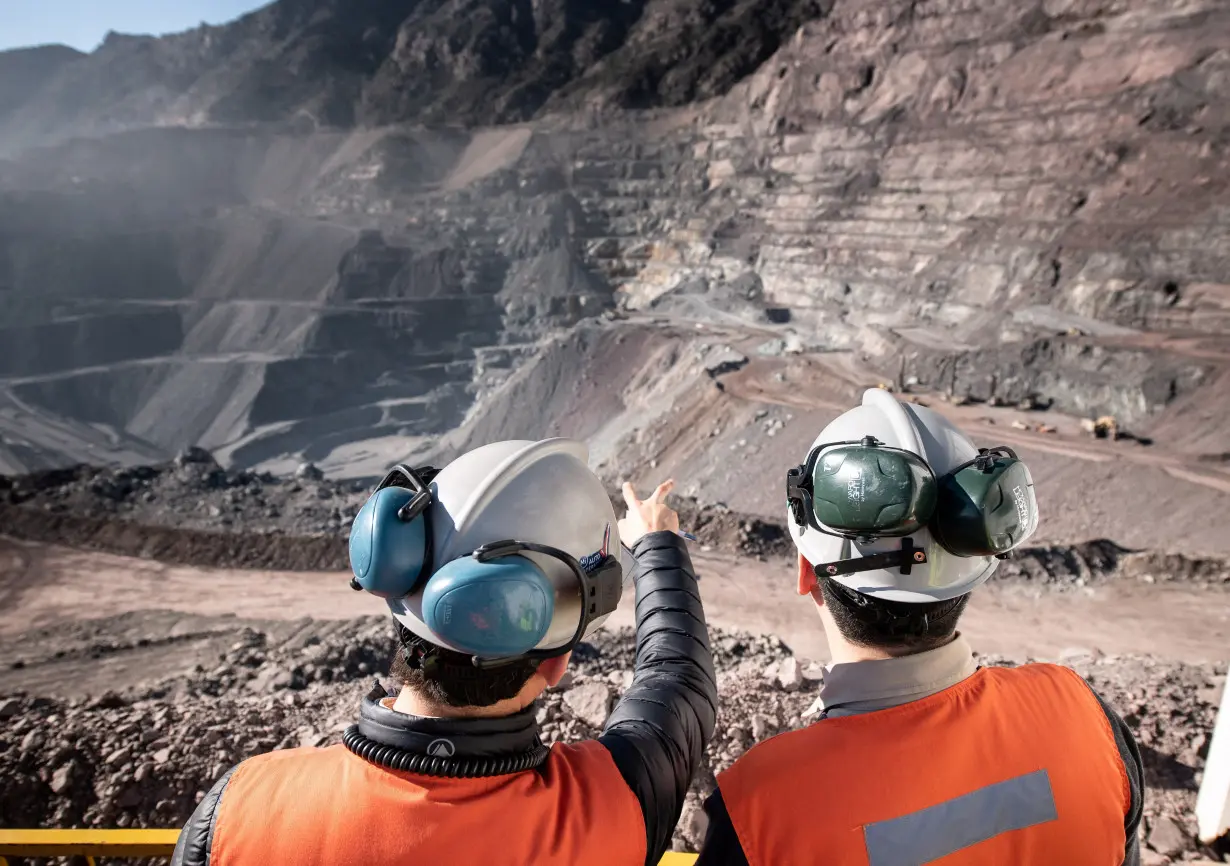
{"points": [[590, 562]]}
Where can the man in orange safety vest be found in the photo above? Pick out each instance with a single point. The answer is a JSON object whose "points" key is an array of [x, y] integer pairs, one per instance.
{"points": [[920, 755]]}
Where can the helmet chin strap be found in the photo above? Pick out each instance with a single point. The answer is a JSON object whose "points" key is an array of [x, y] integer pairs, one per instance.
{"points": [[904, 558]]}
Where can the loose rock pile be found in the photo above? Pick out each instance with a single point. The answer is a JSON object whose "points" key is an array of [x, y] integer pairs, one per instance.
{"points": [[144, 757], [193, 512], [193, 492]]}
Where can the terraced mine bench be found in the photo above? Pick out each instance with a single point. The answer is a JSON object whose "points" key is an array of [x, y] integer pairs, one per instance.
{"points": [[133, 843]]}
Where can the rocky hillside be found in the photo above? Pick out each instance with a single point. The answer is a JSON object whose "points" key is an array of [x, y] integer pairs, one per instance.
{"points": [[330, 63], [25, 70], [274, 248]]}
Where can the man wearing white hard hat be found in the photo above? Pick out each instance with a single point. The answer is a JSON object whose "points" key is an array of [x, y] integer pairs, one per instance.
{"points": [[920, 755], [494, 569]]}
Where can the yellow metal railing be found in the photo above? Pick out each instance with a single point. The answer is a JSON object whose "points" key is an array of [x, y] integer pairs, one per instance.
{"points": [[87, 843], [134, 843]]}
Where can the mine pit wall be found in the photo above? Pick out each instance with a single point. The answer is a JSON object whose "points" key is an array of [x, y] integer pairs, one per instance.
{"points": [[924, 167], [289, 333], [1077, 377], [1009, 207]]}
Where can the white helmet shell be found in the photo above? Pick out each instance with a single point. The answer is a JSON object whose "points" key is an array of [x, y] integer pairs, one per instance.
{"points": [[540, 492], [937, 441]]}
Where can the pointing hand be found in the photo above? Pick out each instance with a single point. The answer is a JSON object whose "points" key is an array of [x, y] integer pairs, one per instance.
{"points": [[647, 515]]}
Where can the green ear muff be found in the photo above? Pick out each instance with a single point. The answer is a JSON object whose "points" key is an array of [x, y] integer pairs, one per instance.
{"points": [[986, 507], [866, 488]]}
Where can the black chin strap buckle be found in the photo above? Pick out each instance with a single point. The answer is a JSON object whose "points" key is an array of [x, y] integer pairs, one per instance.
{"points": [[905, 558]]}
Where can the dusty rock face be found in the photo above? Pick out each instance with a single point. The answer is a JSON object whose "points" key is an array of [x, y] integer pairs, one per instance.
{"points": [[143, 756], [856, 178]]}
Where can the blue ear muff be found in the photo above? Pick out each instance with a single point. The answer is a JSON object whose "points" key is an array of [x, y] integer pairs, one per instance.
{"points": [[386, 552], [493, 609]]}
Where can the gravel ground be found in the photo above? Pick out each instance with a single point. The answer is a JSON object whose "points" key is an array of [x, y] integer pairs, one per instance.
{"points": [[144, 757]]}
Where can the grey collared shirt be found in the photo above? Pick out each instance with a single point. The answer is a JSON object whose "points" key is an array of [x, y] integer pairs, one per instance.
{"points": [[863, 687]]}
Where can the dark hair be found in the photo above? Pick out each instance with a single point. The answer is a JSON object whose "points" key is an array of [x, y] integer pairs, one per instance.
{"points": [[894, 625], [450, 678]]}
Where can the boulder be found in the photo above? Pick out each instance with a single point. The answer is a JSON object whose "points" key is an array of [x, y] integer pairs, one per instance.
{"points": [[790, 674], [194, 456], [62, 779], [693, 823], [1166, 837], [309, 472], [591, 703]]}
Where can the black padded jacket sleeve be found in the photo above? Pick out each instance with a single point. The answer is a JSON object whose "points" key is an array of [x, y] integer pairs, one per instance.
{"points": [[1130, 753], [197, 837], [658, 732]]}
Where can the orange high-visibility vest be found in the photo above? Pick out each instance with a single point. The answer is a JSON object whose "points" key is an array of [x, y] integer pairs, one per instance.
{"points": [[1011, 767], [328, 807]]}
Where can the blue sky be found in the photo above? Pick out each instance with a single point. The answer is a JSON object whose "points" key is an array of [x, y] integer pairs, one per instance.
{"points": [[83, 23]]}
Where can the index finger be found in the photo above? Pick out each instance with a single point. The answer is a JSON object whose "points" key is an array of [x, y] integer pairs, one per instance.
{"points": [[664, 488], [630, 496]]}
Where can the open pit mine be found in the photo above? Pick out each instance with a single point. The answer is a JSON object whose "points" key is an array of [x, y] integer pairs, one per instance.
{"points": [[245, 268]]}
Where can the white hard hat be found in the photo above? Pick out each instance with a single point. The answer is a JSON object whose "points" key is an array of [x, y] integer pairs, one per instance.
{"points": [[944, 448], [539, 492]]}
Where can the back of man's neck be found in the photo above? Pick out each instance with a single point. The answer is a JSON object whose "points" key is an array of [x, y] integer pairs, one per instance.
{"points": [[411, 703], [843, 652]]}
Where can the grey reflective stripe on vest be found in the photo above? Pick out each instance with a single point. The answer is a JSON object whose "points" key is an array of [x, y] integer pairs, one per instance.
{"points": [[940, 830]]}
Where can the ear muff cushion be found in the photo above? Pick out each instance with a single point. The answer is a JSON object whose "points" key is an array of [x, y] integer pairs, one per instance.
{"points": [[873, 490], [386, 553], [493, 609], [986, 513]]}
